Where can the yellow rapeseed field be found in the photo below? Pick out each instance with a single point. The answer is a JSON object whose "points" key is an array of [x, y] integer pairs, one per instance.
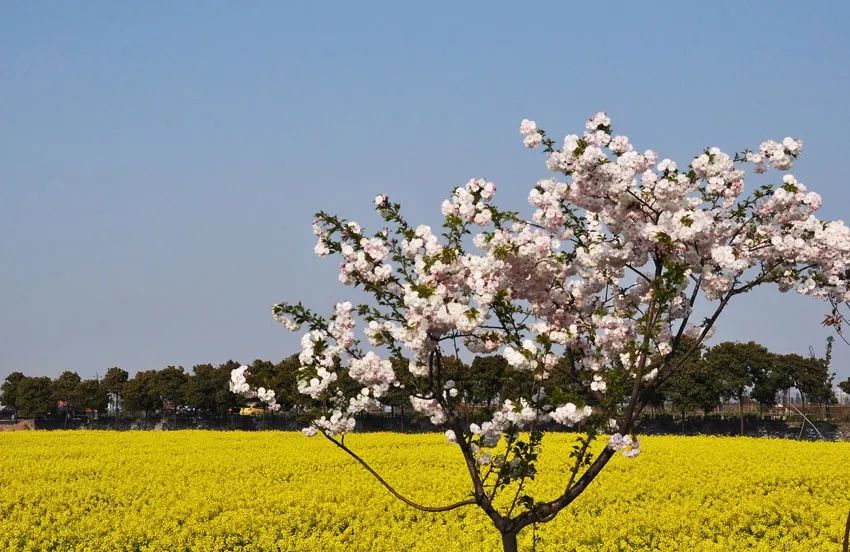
{"points": [[193, 490]]}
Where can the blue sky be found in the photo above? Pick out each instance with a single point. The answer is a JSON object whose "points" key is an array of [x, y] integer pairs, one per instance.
{"points": [[160, 162]]}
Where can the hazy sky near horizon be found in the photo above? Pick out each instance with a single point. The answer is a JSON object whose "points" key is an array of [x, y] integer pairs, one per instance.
{"points": [[160, 162]]}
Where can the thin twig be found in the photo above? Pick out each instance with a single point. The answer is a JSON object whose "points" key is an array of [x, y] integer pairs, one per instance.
{"points": [[577, 466]]}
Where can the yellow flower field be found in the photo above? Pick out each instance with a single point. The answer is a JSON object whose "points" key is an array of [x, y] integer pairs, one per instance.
{"points": [[205, 491]]}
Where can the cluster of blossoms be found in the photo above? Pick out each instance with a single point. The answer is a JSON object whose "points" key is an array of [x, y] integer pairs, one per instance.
{"points": [[363, 257], [780, 155], [597, 286], [373, 372], [337, 424], [429, 407], [239, 384], [323, 376], [469, 203], [524, 358], [510, 416], [570, 415], [532, 136], [629, 446]]}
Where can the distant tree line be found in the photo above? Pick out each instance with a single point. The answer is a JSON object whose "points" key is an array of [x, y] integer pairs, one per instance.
{"points": [[728, 371], [747, 371], [204, 389]]}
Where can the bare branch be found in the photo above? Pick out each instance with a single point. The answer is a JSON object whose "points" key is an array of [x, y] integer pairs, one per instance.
{"points": [[579, 459], [480, 495], [546, 510], [382, 481]]}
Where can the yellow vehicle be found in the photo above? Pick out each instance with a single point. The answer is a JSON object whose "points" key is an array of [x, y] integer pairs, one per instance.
{"points": [[251, 410]]}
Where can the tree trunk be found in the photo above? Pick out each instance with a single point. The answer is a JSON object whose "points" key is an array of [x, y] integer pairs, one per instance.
{"points": [[741, 410], [509, 542]]}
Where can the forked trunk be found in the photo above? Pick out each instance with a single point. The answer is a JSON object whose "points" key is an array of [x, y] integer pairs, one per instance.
{"points": [[509, 542]]}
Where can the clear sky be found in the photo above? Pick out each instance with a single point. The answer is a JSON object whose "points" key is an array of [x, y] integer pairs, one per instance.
{"points": [[160, 162]]}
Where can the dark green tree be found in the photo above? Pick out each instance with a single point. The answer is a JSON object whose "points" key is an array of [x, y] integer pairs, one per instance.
{"points": [[692, 387], [9, 389], [170, 384], [285, 381], [490, 377], [810, 376], [66, 388], [765, 388], [786, 370], [114, 380], [141, 393], [685, 387], [818, 381], [92, 395], [845, 386], [737, 366], [34, 397], [207, 388]]}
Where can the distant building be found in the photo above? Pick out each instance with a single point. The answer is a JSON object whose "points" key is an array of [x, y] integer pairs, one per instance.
{"points": [[115, 404], [8, 413]]}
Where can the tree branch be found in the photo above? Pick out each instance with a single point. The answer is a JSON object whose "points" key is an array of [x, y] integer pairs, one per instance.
{"points": [[472, 467], [692, 301], [579, 459], [549, 509], [382, 481]]}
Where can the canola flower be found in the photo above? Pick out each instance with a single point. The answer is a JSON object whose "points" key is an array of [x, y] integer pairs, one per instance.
{"points": [[273, 491]]}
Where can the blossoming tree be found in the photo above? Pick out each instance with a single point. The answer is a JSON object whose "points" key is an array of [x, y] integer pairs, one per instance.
{"points": [[591, 302]]}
